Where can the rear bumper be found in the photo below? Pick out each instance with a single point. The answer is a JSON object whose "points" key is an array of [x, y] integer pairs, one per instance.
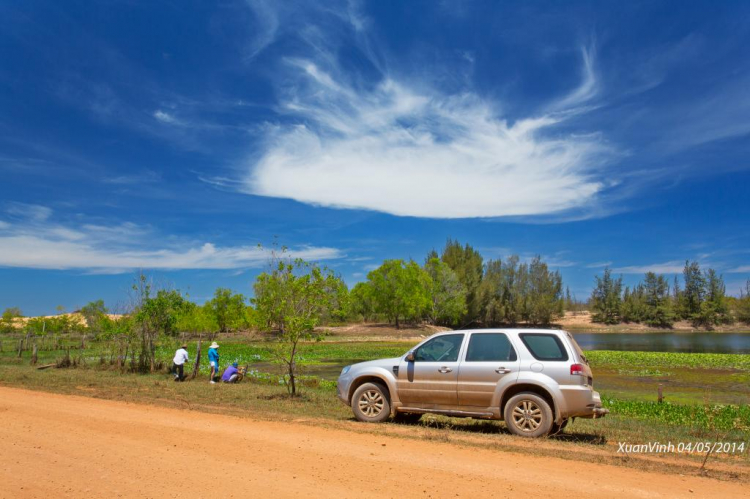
{"points": [[582, 402]]}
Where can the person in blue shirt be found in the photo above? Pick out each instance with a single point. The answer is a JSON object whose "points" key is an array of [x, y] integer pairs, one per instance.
{"points": [[213, 360]]}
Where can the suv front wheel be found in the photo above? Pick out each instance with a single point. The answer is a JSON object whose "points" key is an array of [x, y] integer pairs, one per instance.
{"points": [[528, 415], [370, 403]]}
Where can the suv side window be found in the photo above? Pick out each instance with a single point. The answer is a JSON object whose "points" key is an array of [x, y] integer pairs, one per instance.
{"points": [[544, 346], [441, 349], [488, 347]]}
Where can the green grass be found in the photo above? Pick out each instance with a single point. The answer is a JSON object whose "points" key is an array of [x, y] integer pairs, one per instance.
{"points": [[669, 359], [628, 378]]}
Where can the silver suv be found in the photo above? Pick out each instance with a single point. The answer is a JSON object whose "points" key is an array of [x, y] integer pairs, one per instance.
{"points": [[534, 379]]}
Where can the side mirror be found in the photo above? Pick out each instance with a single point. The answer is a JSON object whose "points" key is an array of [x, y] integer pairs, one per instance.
{"points": [[410, 357]]}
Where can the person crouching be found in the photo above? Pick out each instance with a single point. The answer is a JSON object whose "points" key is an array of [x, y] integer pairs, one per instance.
{"points": [[231, 374]]}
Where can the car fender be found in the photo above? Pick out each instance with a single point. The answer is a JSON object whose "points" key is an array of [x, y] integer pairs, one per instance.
{"points": [[381, 373], [540, 380]]}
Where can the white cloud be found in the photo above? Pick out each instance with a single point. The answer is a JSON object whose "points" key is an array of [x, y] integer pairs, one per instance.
{"points": [[740, 269], [399, 150], [121, 248]]}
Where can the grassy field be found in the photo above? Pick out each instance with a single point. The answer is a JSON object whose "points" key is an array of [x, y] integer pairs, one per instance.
{"points": [[707, 395]]}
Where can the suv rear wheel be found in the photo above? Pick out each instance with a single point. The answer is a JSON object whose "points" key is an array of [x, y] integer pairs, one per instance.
{"points": [[370, 403], [528, 415]]}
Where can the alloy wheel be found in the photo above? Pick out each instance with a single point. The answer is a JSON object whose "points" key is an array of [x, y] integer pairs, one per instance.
{"points": [[527, 415], [371, 403]]}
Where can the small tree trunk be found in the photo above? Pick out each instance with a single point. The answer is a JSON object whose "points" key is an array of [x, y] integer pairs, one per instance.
{"points": [[20, 347], [83, 342], [34, 355], [197, 364], [292, 379]]}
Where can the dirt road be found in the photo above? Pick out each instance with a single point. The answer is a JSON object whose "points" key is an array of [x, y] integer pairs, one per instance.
{"points": [[56, 445]]}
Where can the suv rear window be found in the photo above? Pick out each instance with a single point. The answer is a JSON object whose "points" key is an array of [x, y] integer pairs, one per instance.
{"points": [[544, 346], [489, 347]]}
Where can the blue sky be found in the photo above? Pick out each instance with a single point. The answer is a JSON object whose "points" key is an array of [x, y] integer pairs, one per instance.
{"points": [[176, 136]]}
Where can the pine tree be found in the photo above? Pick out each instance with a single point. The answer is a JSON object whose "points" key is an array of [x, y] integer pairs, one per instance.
{"points": [[606, 298]]}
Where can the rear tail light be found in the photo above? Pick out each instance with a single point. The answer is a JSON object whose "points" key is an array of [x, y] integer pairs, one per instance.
{"points": [[576, 369]]}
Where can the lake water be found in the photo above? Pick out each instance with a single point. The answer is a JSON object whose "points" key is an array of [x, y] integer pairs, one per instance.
{"points": [[667, 342]]}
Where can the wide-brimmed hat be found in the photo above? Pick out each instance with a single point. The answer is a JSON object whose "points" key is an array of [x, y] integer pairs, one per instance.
{"points": [[184, 345], [214, 345]]}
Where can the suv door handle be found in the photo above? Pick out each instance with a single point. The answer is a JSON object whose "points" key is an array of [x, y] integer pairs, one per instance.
{"points": [[445, 369], [502, 370]]}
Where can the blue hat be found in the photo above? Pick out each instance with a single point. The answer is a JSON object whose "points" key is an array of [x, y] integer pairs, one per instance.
{"points": [[234, 364]]}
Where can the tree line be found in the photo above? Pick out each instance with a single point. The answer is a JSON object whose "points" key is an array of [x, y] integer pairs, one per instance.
{"points": [[699, 297], [456, 288]]}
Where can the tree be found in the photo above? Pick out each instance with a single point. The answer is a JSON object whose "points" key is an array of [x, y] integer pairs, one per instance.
{"points": [[8, 319], [400, 290], [694, 293], [228, 310], [292, 297], [606, 298], [154, 315], [659, 309], [94, 313], [197, 319], [544, 292], [633, 307], [11, 313], [491, 292], [447, 294], [466, 262], [714, 309], [743, 304], [162, 312], [361, 301]]}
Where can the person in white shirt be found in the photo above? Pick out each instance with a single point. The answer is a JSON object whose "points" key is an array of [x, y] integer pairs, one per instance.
{"points": [[178, 364]]}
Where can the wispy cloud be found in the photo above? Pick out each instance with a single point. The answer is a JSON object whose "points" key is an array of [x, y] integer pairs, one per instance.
{"points": [[589, 86], [165, 117], [400, 149], [598, 265], [740, 269], [29, 211], [131, 179], [671, 267], [41, 244]]}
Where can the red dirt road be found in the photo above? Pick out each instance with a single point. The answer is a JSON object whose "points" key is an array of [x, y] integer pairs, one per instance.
{"points": [[56, 445]]}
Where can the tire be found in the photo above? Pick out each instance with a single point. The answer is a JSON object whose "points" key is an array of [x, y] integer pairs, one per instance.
{"points": [[407, 418], [370, 403], [528, 415], [558, 428]]}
